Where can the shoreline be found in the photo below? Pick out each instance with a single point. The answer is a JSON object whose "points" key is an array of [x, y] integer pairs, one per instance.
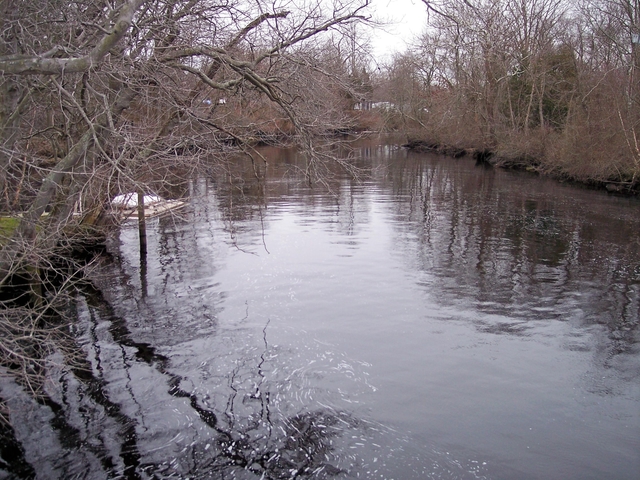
{"points": [[531, 165]]}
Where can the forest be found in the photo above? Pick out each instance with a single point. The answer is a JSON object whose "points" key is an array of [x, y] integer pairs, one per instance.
{"points": [[548, 85]]}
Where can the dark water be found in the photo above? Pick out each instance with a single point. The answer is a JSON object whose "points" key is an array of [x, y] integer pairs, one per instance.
{"points": [[431, 319]]}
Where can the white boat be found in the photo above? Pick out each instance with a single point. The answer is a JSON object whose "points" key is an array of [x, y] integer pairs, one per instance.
{"points": [[125, 206]]}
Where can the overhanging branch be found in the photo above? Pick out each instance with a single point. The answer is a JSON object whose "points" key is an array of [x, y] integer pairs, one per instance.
{"points": [[43, 65]]}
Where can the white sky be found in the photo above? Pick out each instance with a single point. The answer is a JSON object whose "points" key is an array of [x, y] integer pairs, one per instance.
{"points": [[409, 17]]}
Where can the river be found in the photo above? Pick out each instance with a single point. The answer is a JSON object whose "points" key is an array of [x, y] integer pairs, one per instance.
{"points": [[428, 318]]}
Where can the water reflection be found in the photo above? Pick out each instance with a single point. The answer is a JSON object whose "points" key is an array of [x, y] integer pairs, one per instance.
{"points": [[277, 329], [247, 411], [522, 250]]}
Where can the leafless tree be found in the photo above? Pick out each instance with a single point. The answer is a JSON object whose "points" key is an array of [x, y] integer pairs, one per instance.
{"points": [[100, 98], [547, 84]]}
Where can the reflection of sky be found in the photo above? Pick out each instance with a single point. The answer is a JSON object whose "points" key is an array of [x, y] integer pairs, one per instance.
{"points": [[472, 300], [491, 322]]}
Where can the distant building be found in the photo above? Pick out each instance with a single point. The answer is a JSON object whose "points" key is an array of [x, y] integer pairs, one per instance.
{"points": [[369, 105], [363, 105]]}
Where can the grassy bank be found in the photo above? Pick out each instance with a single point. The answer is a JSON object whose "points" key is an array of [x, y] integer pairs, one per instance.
{"points": [[601, 152], [547, 155]]}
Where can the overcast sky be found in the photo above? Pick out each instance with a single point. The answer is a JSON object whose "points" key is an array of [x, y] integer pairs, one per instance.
{"points": [[409, 17]]}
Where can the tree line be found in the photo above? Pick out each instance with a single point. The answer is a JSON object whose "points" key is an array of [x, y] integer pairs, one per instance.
{"points": [[551, 85]]}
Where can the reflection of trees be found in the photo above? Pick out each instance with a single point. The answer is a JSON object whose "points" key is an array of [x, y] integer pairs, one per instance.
{"points": [[244, 192], [12, 458], [249, 436], [79, 402], [519, 254], [300, 449], [245, 433], [526, 250], [104, 425], [520, 249]]}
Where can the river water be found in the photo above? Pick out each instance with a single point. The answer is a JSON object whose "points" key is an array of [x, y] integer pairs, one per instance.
{"points": [[430, 318]]}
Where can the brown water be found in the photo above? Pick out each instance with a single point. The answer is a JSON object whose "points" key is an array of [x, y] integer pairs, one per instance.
{"points": [[431, 319]]}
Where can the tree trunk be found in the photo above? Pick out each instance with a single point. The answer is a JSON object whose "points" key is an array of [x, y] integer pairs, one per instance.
{"points": [[541, 102], [10, 93]]}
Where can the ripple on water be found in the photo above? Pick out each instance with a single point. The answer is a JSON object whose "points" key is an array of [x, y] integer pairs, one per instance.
{"points": [[276, 411]]}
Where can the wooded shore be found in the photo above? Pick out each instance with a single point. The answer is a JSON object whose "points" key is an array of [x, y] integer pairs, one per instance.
{"points": [[526, 163]]}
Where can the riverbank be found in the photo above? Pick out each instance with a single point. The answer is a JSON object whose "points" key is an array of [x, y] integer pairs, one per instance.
{"points": [[537, 164]]}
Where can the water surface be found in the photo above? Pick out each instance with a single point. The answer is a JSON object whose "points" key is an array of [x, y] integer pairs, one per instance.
{"points": [[428, 319]]}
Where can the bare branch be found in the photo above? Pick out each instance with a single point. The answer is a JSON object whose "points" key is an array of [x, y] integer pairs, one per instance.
{"points": [[51, 66]]}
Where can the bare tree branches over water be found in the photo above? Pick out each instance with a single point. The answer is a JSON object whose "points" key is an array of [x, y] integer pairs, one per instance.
{"points": [[96, 99]]}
